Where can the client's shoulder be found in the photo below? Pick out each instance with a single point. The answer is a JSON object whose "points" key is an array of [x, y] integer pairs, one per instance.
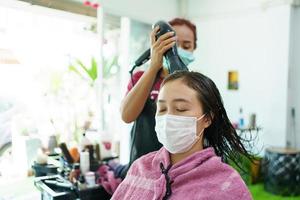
{"points": [[144, 163]]}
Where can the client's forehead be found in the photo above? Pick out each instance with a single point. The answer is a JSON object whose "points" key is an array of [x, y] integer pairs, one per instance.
{"points": [[177, 90]]}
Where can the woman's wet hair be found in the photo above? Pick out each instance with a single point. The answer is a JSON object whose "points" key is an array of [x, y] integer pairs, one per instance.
{"points": [[220, 135]]}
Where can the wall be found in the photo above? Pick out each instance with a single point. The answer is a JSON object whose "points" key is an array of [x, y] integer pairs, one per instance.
{"points": [[142, 10], [254, 40], [293, 125], [216, 8]]}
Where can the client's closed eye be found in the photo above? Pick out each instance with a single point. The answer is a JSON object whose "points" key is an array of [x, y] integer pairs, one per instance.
{"points": [[181, 110], [160, 110]]}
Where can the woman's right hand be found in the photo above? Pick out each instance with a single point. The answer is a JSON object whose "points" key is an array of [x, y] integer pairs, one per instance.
{"points": [[134, 102], [159, 47]]}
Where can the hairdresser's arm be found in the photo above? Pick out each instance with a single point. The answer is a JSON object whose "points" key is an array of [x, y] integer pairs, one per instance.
{"points": [[133, 103]]}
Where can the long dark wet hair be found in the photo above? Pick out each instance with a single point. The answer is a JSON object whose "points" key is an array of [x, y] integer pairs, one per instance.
{"points": [[220, 135]]}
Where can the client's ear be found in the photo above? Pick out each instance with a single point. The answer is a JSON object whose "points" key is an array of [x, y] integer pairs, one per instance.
{"points": [[208, 119]]}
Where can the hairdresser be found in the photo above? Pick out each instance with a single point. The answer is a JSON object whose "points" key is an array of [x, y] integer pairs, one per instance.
{"points": [[139, 104]]}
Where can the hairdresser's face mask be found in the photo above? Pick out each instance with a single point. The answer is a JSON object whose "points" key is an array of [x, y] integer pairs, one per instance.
{"points": [[186, 56], [177, 133]]}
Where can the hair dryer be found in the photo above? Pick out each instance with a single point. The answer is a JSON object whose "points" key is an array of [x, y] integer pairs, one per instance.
{"points": [[171, 55]]}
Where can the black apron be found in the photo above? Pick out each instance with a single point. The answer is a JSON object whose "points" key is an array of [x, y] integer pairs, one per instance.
{"points": [[143, 135]]}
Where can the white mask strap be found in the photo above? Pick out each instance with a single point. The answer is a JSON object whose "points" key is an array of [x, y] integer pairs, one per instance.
{"points": [[201, 117]]}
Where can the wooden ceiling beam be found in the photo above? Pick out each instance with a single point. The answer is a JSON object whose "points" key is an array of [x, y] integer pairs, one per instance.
{"points": [[65, 5]]}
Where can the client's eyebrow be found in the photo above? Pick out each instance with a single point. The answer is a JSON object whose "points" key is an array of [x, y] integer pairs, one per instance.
{"points": [[174, 100], [181, 100]]}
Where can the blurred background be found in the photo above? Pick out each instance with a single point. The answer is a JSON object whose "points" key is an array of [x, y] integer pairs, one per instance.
{"points": [[64, 71]]}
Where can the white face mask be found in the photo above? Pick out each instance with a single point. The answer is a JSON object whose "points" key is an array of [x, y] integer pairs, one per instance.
{"points": [[177, 133]]}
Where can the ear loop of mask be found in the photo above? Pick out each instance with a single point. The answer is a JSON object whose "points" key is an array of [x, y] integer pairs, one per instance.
{"points": [[198, 136], [201, 117], [201, 133]]}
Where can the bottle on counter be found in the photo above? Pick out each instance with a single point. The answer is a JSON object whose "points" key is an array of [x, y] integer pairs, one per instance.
{"points": [[52, 144], [84, 162], [252, 121], [241, 119], [84, 142], [90, 179]]}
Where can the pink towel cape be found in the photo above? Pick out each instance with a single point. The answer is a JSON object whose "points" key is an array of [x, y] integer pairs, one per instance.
{"points": [[200, 176]]}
